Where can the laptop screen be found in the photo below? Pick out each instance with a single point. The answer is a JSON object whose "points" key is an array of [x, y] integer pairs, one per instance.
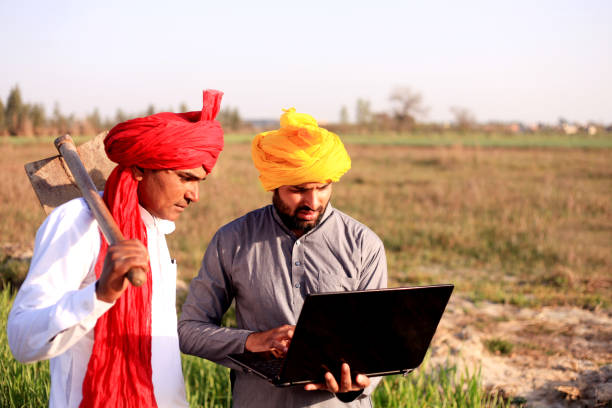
{"points": [[380, 331]]}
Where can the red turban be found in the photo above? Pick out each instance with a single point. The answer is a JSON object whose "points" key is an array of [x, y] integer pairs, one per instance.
{"points": [[119, 372]]}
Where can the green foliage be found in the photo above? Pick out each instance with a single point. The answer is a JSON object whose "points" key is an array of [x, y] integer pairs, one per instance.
{"points": [[435, 387], [21, 385], [2, 118], [499, 346], [37, 116], [363, 112], [13, 270], [207, 384], [14, 111], [230, 118]]}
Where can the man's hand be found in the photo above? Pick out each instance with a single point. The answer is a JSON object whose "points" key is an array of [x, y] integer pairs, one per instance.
{"points": [[346, 382], [120, 258], [277, 339]]}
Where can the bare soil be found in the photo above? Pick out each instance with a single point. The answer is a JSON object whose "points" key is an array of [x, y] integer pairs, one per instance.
{"points": [[560, 356]]}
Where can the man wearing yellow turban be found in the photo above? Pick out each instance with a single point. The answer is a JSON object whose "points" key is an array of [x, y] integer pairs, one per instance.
{"points": [[268, 260]]}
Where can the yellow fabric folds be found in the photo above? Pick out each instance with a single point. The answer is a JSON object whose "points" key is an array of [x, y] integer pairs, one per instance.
{"points": [[299, 152]]}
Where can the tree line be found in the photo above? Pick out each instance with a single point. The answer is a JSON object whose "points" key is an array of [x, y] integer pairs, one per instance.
{"points": [[407, 114], [19, 118]]}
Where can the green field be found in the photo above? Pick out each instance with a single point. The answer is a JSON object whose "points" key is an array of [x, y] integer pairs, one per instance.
{"points": [[505, 222], [424, 139], [528, 226]]}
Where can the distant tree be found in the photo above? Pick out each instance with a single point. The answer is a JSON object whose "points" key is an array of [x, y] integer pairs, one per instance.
{"points": [[363, 113], [150, 110], [107, 124], [2, 119], [36, 113], [183, 107], [344, 116], [60, 122], [14, 111], [25, 127], [95, 121], [408, 105], [382, 122], [230, 118], [120, 116], [74, 126], [464, 119], [85, 127]]}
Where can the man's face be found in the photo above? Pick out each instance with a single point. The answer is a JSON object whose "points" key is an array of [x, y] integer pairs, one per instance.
{"points": [[301, 207], [166, 193]]}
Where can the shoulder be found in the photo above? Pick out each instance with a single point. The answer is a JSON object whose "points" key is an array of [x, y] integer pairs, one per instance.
{"points": [[251, 221], [73, 215], [354, 229], [75, 210]]}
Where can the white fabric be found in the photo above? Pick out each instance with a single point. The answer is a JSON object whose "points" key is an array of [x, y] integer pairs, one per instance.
{"points": [[56, 308]]}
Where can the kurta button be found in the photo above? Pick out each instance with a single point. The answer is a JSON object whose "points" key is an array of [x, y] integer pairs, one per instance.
{"points": [[297, 263], [297, 285]]}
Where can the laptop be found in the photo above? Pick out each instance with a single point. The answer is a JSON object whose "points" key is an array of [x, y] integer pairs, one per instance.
{"points": [[377, 332]]}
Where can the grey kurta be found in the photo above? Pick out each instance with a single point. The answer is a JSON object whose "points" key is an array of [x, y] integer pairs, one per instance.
{"points": [[258, 262]]}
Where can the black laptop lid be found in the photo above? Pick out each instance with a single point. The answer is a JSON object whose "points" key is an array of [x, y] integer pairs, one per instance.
{"points": [[383, 331]]}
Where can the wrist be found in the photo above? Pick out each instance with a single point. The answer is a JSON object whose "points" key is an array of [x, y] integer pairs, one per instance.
{"points": [[248, 344], [100, 296]]}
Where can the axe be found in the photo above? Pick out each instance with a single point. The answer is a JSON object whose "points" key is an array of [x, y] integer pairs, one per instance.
{"points": [[54, 180]]}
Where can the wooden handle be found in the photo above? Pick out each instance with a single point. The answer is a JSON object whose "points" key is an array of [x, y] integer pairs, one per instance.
{"points": [[67, 149]]}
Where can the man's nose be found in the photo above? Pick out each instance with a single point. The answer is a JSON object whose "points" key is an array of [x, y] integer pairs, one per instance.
{"points": [[193, 192], [311, 199]]}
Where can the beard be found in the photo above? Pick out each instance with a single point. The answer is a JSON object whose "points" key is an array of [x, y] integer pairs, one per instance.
{"points": [[289, 217]]}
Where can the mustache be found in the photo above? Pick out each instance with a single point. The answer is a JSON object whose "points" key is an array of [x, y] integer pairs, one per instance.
{"points": [[307, 208]]}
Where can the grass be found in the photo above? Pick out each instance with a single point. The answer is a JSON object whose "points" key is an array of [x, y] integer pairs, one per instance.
{"points": [[208, 385], [421, 139], [527, 226], [481, 139], [21, 385], [499, 346]]}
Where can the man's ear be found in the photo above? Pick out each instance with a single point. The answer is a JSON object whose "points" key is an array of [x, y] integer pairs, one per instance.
{"points": [[137, 173]]}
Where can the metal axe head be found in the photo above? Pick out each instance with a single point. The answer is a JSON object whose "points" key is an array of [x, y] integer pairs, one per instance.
{"points": [[53, 182]]}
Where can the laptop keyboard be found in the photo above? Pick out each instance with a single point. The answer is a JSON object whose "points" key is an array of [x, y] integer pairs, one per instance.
{"points": [[270, 368]]}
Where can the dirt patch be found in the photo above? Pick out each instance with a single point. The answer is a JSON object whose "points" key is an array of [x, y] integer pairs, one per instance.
{"points": [[547, 357]]}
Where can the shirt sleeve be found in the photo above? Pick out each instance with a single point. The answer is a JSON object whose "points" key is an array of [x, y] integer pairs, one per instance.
{"points": [[373, 274], [56, 305], [210, 295]]}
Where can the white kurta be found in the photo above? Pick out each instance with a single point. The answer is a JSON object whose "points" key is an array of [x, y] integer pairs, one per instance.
{"points": [[56, 309]]}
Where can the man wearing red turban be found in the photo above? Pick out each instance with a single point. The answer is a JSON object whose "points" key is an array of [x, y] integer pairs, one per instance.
{"points": [[111, 344]]}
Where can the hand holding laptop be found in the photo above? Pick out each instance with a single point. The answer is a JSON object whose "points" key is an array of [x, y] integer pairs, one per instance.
{"points": [[346, 382], [277, 342], [274, 340], [388, 332]]}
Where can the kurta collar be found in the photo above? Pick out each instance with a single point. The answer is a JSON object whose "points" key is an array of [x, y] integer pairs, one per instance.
{"points": [[164, 226]]}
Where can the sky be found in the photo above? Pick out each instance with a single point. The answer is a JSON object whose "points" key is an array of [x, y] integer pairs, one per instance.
{"points": [[531, 61]]}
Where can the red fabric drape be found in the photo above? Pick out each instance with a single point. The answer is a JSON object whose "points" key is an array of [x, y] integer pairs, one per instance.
{"points": [[119, 372]]}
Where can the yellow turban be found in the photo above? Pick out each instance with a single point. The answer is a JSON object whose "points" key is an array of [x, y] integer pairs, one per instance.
{"points": [[299, 152]]}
